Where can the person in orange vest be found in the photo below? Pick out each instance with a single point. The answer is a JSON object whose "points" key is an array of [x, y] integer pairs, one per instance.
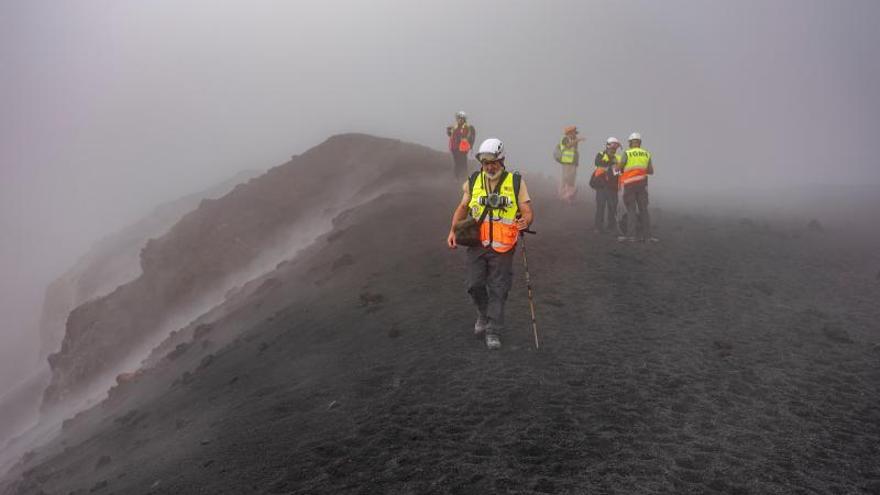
{"points": [[566, 154], [495, 203], [635, 166], [461, 139], [605, 182]]}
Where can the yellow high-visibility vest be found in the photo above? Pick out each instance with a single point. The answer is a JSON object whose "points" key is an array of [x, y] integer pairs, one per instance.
{"points": [[636, 168], [568, 153], [498, 229]]}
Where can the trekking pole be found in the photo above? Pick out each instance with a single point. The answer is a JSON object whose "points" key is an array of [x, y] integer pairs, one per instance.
{"points": [[529, 283]]}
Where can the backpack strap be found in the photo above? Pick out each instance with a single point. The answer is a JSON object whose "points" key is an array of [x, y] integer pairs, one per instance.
{"points": [[517, 179], [472, 180], [501, 181]]}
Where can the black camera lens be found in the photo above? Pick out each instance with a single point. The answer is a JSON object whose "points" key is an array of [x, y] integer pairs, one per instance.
{"points": [[494, 200]]}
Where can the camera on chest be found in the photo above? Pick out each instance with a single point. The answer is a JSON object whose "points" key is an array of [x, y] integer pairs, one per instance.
{"points": [[495, 200]]}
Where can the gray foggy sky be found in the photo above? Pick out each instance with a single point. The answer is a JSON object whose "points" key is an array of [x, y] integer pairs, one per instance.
{"points": [[108, 107]]}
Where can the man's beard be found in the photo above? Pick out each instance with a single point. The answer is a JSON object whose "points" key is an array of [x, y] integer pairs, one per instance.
{"points": [[495, 175]]}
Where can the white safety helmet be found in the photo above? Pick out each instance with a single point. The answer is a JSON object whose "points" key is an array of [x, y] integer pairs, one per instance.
{"points": [[492, 149], [635, 137], [460, 115], [612, 140]]}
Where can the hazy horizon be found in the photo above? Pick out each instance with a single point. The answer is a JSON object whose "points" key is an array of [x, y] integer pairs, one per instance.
{"points": [[113, 107]]}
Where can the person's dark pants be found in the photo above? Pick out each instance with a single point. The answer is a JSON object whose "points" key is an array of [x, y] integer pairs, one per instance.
{"points": [[459, 161], [490, 276], [606, 199], [635, 197]]}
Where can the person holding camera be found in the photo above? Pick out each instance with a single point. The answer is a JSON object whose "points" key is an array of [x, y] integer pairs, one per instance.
{"points": [[566, 154], [605, 182], [494, 208], [461, 140]]}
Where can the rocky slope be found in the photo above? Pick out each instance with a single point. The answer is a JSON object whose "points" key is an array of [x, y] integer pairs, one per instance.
{"points": [[248, 229], [740, 355], [112, 262]]}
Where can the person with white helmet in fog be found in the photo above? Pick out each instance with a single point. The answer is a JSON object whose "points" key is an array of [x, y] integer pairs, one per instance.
{"points": [[494, 208], [461, 139], [604, 181], [635, 166]]}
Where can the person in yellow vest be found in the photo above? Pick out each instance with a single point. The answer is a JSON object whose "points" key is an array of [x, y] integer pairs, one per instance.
{"points": [[566, 154], [605, 182], [635, 166], [461, 139], [498, 202]]}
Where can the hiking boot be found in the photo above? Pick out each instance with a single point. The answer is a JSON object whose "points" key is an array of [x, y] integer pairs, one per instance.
{"points": [[481, 325], [493, 342]]}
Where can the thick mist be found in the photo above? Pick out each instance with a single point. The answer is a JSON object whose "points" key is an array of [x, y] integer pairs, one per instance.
{"points": [[110, 107]]}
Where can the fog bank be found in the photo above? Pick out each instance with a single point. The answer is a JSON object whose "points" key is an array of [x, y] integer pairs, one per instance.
{"points": [[111, 107]]}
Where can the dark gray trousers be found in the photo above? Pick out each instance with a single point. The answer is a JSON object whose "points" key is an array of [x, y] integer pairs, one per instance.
{"points": [[605, 199], [490, 276], [636, 197], [459, 169]]}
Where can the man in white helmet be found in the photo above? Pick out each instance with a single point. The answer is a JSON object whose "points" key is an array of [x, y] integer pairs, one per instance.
{"points": [[495, 206], [604, 181], [635, 166], [461, 139]]}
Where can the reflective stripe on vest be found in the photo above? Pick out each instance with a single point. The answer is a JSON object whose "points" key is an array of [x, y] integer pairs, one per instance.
{"points": [[636, 168], [462, 133], [602, 170], [569, 153], [498, 229]]}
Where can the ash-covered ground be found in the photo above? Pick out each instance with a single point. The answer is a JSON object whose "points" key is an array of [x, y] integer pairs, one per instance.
{"points": [[738, 355]]}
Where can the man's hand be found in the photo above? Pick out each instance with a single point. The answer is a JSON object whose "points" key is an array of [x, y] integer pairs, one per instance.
{"points": [[521, 224], [450, 240]]}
